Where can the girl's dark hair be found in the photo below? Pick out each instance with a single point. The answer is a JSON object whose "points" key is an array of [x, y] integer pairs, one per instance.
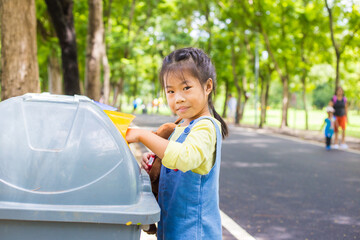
{"points": [[197, 63]]}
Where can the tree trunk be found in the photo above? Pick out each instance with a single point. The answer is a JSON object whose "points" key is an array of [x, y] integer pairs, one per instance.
{"points": [[262, 101], [335, 45], [246, 97], [54, 74], [62, 17], [135, 88], [129, 42], [19, 65], [304, 74], [94, 50], [208, 26], [305, 106], [117, 91], [285, 102], [236, 81], [120, 84], [303, 81], [284, 78], [155, 81], [112, 90], [106, 68], [105, 61], [345, 41], [226, 98], [238, 103], [337, 77], [267, 96]]}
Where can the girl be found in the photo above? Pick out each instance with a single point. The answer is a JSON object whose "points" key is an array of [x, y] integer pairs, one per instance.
{"points": [[189, 178], [330, 125]]}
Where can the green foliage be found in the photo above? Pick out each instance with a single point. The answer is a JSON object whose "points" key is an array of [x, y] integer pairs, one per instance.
{"points": [[275, 98], [322, 95], [298, 31]]}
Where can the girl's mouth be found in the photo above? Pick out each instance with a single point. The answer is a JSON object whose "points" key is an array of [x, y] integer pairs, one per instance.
{"points": [[182, 109]]}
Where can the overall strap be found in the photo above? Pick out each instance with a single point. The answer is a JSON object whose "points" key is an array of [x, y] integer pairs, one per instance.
{"points": [[187, 130]]}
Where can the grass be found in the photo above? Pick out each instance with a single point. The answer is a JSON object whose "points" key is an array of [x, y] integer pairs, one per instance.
{"points": [[296, 119]]}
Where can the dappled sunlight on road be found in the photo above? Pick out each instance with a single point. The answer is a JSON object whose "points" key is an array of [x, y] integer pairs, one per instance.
{"points": [[353, 180], [344, 220], [243, 133], [260, 145], [247, 165], [274, 232], [254, 142]]}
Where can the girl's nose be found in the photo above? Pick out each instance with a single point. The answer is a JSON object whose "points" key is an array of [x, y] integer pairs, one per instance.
{"points": [[179, 98]]}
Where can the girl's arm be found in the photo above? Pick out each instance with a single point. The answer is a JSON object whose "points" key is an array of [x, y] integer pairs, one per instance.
{"points": [[152, 141]]}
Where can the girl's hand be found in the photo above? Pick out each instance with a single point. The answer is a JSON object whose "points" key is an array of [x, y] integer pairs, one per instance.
{"points": [[154, 142], [132, 135], [145, 161]]}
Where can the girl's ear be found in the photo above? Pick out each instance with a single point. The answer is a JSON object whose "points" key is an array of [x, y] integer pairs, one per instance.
{"points": [[209, 86]]}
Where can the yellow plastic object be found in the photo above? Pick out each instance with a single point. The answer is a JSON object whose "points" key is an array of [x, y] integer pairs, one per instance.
{"points": [[121, 120]]}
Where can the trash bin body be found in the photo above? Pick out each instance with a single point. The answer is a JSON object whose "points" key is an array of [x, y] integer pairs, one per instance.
{"points": [[55, 231], [66, 172]]}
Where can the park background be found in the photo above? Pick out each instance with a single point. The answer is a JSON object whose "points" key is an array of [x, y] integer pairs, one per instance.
{"points": [[282, 60]]}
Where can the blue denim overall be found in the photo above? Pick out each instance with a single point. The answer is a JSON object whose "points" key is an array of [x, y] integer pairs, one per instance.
{"points": [[189, 201]]}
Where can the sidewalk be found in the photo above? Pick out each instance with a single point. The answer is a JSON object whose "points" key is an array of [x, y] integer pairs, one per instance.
{"points": [[145, 236], [307, 135]]}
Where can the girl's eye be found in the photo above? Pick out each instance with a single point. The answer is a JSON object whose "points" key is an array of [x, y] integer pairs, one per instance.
{"points": [[170, 91], [187, 88]]}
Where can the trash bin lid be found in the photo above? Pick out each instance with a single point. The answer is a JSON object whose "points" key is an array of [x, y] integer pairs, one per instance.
{"points": [[63, 159], [63, 150]]}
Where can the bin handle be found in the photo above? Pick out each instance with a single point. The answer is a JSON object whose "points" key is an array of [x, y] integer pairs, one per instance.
{"points": [[54, 98]]}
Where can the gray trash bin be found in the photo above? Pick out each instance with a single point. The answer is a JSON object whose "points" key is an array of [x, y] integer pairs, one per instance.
{"points": [[67, 173]]}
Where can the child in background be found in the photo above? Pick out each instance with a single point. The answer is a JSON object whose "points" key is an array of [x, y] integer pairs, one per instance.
{"points": [[189, 178], [330, 125], [231, 104]]}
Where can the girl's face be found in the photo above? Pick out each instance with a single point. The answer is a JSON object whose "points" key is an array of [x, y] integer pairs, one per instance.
{"points": [[340, 91], [186, 97]]}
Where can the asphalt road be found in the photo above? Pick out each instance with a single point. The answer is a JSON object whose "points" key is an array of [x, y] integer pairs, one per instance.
{"points": [[280, 188]]}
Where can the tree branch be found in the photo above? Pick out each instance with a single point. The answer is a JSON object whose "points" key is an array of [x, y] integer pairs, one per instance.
{"points": [[350, 37], [332, 29]]}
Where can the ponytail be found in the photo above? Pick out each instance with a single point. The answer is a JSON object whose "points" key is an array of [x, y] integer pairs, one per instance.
{"points": [[224, 127]]}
